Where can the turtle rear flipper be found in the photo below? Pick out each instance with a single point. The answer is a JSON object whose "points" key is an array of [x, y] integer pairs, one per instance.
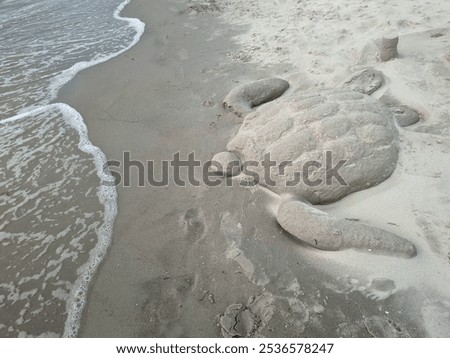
{"points": [[405, 115], [243, 98], [327, 232]]}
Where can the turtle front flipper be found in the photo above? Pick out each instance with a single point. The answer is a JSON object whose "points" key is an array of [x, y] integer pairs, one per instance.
{"points": [[243, 98], [327, 232]]}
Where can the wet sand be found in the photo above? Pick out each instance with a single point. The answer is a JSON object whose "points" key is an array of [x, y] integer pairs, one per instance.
{"points": [[182, 255]]}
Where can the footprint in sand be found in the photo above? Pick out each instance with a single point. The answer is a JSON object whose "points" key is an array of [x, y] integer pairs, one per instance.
{"points": [[239, 321], [382, 327], [248, 320], [193, 225], [163, 307]]}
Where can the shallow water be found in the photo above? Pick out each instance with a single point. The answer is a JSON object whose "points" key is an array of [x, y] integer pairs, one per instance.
{"points": [[55, 216], [43, 39]]}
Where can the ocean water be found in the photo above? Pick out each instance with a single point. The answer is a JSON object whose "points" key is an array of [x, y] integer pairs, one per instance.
{"points": [[56, 218]]}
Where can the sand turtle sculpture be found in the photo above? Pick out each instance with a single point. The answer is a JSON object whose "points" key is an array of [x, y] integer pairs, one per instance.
{"points": [[304, 129]]}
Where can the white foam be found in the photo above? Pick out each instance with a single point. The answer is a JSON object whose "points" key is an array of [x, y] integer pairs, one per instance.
{"points": [[63, 78], [34, 70], [107, 196]]}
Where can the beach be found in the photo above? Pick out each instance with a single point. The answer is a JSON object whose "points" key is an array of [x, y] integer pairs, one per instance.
{"points": [[182, 256], [156, 258], [212, 261]]}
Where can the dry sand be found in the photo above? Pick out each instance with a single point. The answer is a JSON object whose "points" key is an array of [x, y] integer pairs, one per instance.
{"points": [[181, 257]]}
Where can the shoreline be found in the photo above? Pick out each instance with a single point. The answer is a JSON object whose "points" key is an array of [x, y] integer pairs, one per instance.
{"points": [[128, 76], [181, 257], [34, 103]]}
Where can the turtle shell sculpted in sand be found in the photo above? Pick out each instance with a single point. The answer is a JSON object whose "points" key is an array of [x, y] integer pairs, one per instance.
{"points": [[318, 135]]}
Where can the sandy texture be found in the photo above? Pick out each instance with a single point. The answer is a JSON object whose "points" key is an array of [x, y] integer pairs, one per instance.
{"points": [[184, 258]]}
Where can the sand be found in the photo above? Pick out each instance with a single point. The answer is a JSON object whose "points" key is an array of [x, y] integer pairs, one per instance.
{"points": [[182, 257]]}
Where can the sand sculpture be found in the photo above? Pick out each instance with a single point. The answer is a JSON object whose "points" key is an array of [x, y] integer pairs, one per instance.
{"points": [[341, 124], [388, 49]]}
